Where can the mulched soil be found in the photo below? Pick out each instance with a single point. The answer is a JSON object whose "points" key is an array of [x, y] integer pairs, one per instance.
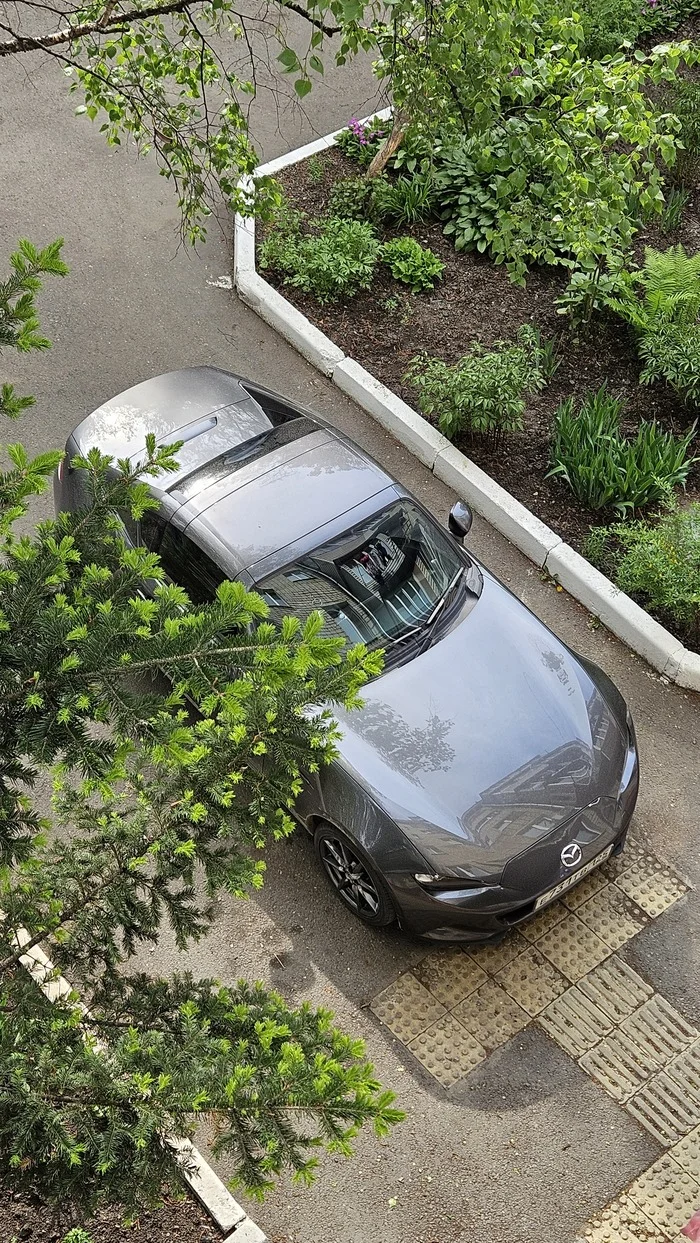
{"points": [[178, 1221], [477, 301]]}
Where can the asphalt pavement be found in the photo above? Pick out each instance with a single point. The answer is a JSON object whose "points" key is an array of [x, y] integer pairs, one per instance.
{"points": [[527, 1147]]}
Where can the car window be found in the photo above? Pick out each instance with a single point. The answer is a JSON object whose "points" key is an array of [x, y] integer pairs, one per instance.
{"points": [[187, 565], [375, 583]]}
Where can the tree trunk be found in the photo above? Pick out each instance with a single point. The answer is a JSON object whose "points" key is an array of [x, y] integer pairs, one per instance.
{"points": [[391, 144]]}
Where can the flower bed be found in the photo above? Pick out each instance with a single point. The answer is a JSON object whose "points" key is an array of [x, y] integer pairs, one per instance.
{"points": [[385, 326]]}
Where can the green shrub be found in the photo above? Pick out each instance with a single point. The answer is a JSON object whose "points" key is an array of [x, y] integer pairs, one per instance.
{"points": [[608, 23], [603, 468], [335, 261], [657, 562], [414, 265], [351, 199], [482, 394], [665, 318], [675, 204], [683, 99], [76, 1235], [407, 200], [362, 139]]}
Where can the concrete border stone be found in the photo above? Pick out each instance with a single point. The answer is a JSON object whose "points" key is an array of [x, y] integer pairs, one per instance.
{"points": [[534, 538], [496, 505], [409, 427]]}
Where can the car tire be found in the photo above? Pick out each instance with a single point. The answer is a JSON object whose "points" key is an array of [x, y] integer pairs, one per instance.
{"points": [[352, 876]]}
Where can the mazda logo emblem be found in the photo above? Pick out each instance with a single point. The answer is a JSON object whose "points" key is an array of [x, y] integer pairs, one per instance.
{"points": [[571, 855]]}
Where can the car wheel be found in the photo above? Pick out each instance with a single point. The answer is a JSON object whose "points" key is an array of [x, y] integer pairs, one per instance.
{"points": [[353, 877]]}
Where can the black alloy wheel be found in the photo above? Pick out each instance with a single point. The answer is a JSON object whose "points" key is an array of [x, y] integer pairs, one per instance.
{"points": [[352, 877]]}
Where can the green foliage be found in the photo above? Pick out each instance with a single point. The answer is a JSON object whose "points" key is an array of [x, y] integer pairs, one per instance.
{"points": [[545, 179], [482, 394], [334, 261], [603, 468], [351, 198], [676, 200], [682, 98], [666, 318], [609, 23], [414, 265], [361, 140], [78, 1236], [19, 324], [405, 201], [157, 811], [658, 562], [314, 169]]}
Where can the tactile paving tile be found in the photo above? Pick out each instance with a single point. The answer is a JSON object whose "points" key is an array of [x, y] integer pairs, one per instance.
{"points": [[663, 1109], [613, 916], [660, 1030], [619, 1064], [685, 1071], [575, 1022], [406, 1007], [615, 988], [623, 1218], [491, 1015], [532, 980], [667, 1194], [687, 1154], [651, 885], [633, 850], [593, 883], [447, 1050], [493, 957], [546, 920], [449, 975], [573, 947]]}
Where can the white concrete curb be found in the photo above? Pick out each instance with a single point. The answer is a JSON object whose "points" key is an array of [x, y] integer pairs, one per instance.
{"points": [[537, 541], [215, 1198]]}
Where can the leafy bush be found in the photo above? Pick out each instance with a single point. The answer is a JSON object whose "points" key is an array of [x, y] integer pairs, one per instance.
{"points": [[406, 201], [658, 562], [603, 468], [609, 23], [335, 261], [666, 318], [77, 1235], [362, 139], [548, 179], [412, 264], [683, 100], [351, 199], [482, 394], [674, 206]]}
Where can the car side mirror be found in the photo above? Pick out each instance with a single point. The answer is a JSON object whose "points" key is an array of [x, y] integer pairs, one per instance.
{"points": [[460, 520]]}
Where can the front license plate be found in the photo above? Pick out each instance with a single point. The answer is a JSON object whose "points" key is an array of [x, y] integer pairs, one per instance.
{"points": [[575, 877]]}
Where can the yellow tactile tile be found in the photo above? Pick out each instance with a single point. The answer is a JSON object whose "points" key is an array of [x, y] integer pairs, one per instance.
{"points": [[491, 1015], [651, 885], [613, 916], [623, 1218], [615, 988], [450, 975], [667, 1194], [593, 883], [447, 1050], [532, 980], [406, 1007], [547, 919], [573, 948], [687, 1154], [575, 1022], [494, 957]]}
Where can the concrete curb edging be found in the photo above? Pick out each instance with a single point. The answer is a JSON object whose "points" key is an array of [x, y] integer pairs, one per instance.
{"points": [[227, 1214], [620, 614]]}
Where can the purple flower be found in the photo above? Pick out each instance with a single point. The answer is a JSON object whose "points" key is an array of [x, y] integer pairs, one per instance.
{"points": [[517, 72]]}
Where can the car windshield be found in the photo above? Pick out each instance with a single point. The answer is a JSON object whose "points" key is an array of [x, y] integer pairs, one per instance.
{"points": [[378, 583]]}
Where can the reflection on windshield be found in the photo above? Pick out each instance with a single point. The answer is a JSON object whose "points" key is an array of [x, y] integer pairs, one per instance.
{"points": [[376, 583]]}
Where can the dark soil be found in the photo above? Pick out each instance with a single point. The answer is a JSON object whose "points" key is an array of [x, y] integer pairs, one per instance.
{"points": [[178, 1221], [477, 301]]}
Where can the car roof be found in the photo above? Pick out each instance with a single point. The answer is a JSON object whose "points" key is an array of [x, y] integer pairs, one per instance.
{"points": [[256, 474]]}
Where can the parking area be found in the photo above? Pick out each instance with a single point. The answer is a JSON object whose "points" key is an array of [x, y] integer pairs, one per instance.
{"points": [[566, 1057]]}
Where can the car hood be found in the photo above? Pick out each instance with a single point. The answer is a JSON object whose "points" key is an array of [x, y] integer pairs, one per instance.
{"points": [[488, 741]]}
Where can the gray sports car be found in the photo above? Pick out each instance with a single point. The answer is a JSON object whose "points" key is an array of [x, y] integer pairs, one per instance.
{"points": [[490, 768]]}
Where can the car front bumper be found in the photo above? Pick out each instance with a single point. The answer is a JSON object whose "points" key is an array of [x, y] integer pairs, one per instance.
{"points": [[487, 913]]}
